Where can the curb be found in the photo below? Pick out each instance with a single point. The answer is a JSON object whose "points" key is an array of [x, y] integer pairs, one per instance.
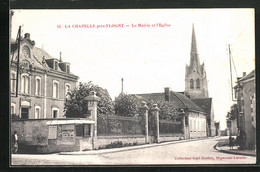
{"points": [[231, 152], [105, 151]]}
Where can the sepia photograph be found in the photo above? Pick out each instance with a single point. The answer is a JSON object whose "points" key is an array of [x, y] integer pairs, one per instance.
{"points": [[91, 87]]}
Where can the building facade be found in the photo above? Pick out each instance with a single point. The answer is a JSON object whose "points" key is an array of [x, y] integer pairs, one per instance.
{"points": [[246, 101], [43, 82]]}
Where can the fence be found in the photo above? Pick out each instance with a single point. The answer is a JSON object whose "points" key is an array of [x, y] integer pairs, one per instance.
{"points": [[119, 125], [170, 127]]}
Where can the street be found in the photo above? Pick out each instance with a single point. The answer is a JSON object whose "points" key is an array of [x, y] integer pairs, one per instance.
{"points": [[191, 152]]}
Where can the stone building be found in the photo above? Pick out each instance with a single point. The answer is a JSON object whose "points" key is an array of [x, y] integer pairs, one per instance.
{"points": [[196, 85], [246, 101], [43, 81]]}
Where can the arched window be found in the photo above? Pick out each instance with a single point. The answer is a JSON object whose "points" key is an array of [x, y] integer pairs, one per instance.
{"points": [[38, 85], [191, 84], [198, 83], [67, 89], [55, 89], [25, 84]]}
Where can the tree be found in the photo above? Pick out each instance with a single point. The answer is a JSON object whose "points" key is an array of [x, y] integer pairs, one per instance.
{"points": [[126, 105], [233, 113], [77, 107], [167, 109]]}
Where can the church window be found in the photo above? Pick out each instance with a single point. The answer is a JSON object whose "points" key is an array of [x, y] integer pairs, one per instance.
{"points": [[198, 83], [191, 84]]}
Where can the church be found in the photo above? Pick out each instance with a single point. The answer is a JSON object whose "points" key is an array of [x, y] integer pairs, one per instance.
{"points": [[196, 85], [194, 101]]}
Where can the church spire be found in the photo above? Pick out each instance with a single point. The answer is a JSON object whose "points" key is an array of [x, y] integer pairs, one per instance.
{"points": [[194, 57]]}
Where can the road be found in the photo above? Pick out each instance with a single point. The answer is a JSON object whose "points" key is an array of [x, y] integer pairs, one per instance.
{"points": [[191, 152]]}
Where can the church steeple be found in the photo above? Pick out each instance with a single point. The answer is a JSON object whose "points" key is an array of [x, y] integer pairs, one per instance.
{"points": [[194, 57], [195, 78]]}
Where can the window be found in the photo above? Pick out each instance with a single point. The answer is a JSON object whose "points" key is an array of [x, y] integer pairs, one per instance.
{"points": [[13, 80], [25, 84], [198, 83], [79, 130], [55, 89], [191, 84], [68, 68], [86, 130], [37, 112], [12, 108], [55, 113], [55, 65], [82, 130], [67, 89], [25, 113], [38, 86], [26, 51]]}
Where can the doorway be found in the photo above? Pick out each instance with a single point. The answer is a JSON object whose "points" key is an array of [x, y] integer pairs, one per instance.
{"points": [[25, 113]]}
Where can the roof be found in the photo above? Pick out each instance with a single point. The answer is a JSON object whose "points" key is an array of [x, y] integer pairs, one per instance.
{"points": [[250, 75], [204, 103], [178, 100], [38, 55]]}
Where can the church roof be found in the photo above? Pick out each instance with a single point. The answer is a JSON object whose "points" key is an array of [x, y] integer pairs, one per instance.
{"points": [[194, 59], [204, 103], [178, 100]]}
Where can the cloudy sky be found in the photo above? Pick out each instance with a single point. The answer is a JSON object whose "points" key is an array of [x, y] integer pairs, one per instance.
{"points": [[148, 58]]}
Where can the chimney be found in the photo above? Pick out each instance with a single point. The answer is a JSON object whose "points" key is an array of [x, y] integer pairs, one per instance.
{"points": [[27, 36], [122, 87], [244, 74], [60, 57], [167, 93]]}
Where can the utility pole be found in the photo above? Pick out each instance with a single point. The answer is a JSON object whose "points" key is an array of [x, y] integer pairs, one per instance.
{"points": [[231, 81], [18, 60]]}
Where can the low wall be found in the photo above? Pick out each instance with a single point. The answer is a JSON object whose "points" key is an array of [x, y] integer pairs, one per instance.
{"points": [[106, 140], [35, 136], [171, 137]]}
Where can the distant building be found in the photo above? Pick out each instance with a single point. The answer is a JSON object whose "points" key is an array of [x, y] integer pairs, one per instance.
{"points": [[43, 82], [246, 101], [217, 126], [196, 85]]}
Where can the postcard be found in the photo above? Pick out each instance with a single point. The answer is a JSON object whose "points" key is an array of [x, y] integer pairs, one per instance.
{"points": [[132, 87]]}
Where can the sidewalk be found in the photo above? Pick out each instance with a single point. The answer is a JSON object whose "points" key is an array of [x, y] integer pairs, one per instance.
{"points": [[113, 150], [235, 150]]}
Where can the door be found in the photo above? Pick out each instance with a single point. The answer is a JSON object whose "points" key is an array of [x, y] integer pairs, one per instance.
{"points": [[25, 113]]}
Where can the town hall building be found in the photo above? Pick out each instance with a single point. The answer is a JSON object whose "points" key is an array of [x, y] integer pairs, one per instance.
{"points": [[43, 81]]}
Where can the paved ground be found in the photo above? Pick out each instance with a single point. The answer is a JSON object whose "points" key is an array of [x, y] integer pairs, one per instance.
{"points": [[193, 152]]}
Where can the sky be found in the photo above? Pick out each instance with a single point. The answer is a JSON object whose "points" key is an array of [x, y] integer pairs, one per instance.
{"points": [[148, 56]]}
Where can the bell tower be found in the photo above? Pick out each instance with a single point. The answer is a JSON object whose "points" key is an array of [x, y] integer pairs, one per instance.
{"points": [[196, 84]]}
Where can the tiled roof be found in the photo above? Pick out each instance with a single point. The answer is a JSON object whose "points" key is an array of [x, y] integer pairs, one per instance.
{"points": [[37, 57], [250, 75], [178, 100], [204, 103]]}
